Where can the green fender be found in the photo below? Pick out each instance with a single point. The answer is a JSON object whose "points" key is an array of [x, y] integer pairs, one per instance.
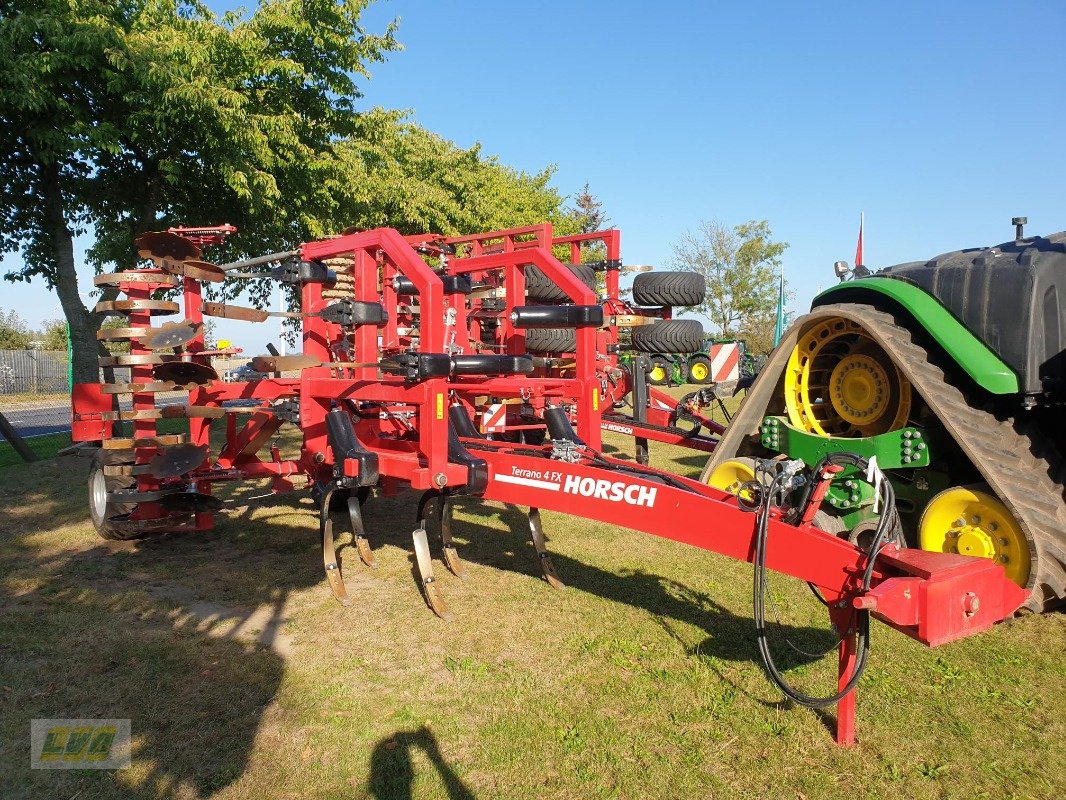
{"points": [[969, 352]]}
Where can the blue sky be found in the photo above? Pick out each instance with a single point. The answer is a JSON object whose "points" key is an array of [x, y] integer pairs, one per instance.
{"points": [[940, 121]]}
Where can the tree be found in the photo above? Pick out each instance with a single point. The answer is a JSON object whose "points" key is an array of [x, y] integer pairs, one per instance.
{"points": [[741, 265], [117, 118], [53, 335], [14, 333], [587, 212]]}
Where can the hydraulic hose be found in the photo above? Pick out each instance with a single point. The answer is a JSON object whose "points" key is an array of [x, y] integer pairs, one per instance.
{"points": [[766, 494]]}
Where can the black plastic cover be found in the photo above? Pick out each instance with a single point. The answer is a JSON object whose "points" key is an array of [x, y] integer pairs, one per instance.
{"points": [[1010, 297], [477, 469], [564, 316], [342, 439], [492, 365], [559, 426], [453, 284]]}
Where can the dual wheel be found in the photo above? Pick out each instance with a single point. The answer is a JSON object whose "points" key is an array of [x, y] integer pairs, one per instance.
{"points": [[698, 370], [840, 382]]}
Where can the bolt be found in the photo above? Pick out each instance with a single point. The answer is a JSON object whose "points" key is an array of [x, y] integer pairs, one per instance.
{"points": [[976, 520], [906, 434], [992, 528], [440, 479], [971, 604], [320, 457], [1003, 541], [959, 523], [1003, 559]]}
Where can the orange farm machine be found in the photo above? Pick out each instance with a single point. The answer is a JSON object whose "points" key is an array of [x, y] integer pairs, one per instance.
{"points": [[483, 366]]}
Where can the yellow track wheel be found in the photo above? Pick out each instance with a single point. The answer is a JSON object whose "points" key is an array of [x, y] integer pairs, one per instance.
{"points": [[730, 475], [840, 382], [971, 521]]}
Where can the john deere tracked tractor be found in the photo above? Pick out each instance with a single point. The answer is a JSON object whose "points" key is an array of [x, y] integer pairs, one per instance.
{"points": [[952, 373]]}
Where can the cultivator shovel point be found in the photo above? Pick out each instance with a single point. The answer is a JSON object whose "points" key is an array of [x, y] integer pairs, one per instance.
{"points": [[544, 559], [478, 366], [424, 563]]}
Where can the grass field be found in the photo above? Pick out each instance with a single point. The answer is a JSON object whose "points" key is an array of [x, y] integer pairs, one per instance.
{"points": [[243, 678]]}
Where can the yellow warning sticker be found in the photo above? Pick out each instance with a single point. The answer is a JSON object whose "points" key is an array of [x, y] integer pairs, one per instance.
{"points": [[596, 398], [440, 405]]}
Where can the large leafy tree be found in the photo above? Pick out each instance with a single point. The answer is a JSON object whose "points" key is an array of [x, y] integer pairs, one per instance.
{"points": [[118, 117], [741, 265]]}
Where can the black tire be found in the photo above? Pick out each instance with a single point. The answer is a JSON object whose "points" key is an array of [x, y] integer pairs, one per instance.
{"points": [[101, 509], [669, 289], [543, 289], [660, 372], [669, 336], [547, 341], [699, 370]]}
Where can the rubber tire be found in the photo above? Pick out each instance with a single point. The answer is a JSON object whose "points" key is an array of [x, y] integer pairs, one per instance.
{"points": [[111, 483], [668, 370], [669, 336], [707, 363], [683, 289], [543, 289], [548, 341]]}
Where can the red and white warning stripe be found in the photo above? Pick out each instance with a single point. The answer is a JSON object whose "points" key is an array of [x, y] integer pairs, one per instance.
{"points": [[494, 418], [725, 362]]}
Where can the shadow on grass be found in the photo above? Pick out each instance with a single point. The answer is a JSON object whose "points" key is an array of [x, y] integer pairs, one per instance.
{"points": [[114, 632], [729, 636], [392, 775]]}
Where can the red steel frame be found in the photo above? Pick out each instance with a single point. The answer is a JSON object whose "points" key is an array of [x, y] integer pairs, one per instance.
{"points": [[933, 598]]}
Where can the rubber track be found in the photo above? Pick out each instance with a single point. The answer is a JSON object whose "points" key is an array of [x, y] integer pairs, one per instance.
{"points": [[1022, 467]]}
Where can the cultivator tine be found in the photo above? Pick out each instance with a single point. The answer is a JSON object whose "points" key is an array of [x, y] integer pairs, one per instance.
{"points": [[451, 555], [543, 556], [329, 553], [362, 544], [425, 573], [444, 517]]}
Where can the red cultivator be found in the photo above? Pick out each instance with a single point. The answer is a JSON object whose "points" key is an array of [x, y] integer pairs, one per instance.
{"points": [[480, 365]]}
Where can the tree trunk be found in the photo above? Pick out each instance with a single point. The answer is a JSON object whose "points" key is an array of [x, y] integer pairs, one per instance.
{"points": [[83, 323]]}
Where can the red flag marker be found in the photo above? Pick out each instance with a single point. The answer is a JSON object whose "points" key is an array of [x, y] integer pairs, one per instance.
{"points": [[858, 247]]}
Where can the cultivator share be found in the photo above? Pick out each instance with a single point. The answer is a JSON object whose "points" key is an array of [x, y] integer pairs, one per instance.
{"points": [[485, 366]]}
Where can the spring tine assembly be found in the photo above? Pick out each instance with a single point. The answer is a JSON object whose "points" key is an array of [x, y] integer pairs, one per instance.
{"points": [[451, 555], [424, 563], [329, 551], [543, 556], [362, 544]]}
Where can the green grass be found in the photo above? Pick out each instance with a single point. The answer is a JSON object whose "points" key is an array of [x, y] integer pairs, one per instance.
{"points": [[41, 446], [636, 681]]}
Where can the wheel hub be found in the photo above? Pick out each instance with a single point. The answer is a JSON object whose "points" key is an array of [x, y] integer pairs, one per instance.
{"points": [[971, 521], [859, 389]]}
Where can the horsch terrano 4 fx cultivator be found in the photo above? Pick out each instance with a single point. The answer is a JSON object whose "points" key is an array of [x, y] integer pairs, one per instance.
{"points": [[483, 366]]}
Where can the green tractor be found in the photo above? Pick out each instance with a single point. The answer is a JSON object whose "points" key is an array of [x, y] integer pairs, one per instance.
{"points": [[952, 373]]}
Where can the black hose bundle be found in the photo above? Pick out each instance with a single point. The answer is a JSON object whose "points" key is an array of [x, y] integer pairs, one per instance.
{"points": [[764, 495]]}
